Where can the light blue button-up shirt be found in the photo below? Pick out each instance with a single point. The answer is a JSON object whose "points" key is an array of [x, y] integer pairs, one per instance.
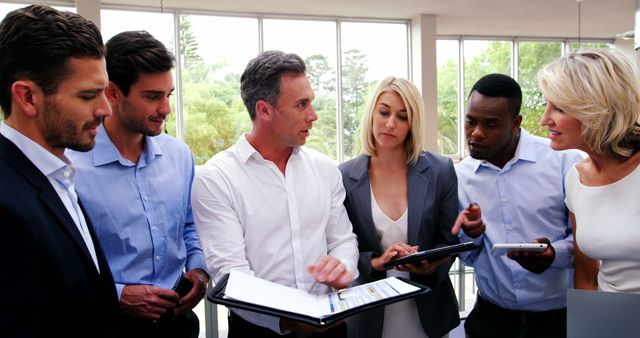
{"points": [[141, 211], [520, 202]]}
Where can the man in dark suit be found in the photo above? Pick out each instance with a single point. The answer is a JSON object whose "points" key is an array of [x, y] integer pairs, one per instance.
{"points": [[55, 280]]}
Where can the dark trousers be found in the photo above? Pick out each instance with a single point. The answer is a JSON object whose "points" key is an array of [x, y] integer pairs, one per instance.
{"points": [[185, 325], [491, 321], [240, 328]]}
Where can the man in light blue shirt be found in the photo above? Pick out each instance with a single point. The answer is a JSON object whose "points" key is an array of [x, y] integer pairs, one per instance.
{"points": [[136, 187], [518, 183]]}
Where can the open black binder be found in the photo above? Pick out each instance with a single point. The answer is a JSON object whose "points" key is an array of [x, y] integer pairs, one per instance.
{"points": [[217, 295], [432, 254]]}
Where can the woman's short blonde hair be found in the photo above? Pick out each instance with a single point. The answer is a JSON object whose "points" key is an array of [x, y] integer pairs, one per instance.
{"points": [[601, 89], [413, 103]]}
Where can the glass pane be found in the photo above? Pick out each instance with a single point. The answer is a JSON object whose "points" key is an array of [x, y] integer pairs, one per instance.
{"points": [[448, 123], [213, 110], [370, 52], [576, 44], [482, 57], [157, 24], [319, 53], [532, 56]]}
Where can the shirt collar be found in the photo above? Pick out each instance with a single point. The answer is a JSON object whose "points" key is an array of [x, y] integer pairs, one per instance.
{"points": [[106, 152], [44, 160], [246, 150], [525, 152]]}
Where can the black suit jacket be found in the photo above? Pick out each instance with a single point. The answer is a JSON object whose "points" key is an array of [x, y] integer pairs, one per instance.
{"points": [[49, 286], [432, 210]]}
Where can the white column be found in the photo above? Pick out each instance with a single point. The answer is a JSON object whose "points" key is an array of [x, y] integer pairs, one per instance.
{"points": [[89, 9], [424, 69]]}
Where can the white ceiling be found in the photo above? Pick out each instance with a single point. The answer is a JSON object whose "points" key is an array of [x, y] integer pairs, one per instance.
{"points": [[530, 18]]}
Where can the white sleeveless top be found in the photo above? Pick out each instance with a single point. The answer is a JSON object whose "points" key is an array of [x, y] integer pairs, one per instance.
{"points": [[608, 228], [400, 318]]}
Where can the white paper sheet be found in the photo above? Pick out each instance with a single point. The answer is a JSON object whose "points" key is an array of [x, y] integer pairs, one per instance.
{"points": [[251, 289]]}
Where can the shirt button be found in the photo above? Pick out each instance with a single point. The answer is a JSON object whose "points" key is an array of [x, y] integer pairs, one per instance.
{"points": [[157, 258], [67, 174]]}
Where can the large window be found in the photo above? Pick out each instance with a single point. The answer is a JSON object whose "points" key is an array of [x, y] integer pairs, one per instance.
{"points": [[211, 63], [370, 52], [447, 54], [532, 56], [482, 57]]}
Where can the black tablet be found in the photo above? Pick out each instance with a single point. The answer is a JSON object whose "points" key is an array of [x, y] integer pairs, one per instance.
{"points": [[432, 254]]}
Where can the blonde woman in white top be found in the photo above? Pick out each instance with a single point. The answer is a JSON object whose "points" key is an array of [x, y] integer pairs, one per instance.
{"points": [[593, 104]]}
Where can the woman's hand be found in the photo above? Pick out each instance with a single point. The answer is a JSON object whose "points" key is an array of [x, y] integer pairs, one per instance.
{"points": [[395, 250]]}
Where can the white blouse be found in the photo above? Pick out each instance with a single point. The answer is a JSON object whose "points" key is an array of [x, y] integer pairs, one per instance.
{"points": [[608, 228], [401, 318]]}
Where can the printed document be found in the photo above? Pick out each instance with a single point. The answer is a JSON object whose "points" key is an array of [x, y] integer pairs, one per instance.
{"points": [[251, 289]]}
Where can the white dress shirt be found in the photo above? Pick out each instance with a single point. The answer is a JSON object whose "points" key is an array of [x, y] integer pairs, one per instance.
{"points": [[252, 218]]}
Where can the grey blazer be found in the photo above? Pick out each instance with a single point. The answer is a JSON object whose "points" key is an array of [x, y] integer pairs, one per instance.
{"points": [[433, 207]]}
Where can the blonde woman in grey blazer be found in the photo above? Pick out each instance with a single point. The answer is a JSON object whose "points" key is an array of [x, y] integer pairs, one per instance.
{"points": [[401, 199]]}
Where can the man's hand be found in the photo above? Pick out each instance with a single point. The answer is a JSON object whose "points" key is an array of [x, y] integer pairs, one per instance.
{"points": [[147, 301], [330, 271], [395, 250], [470, 221], [536, 262], [198, 290]]}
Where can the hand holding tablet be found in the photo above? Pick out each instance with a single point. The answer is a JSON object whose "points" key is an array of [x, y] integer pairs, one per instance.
{"points": [[499, 249], [432, 254]]}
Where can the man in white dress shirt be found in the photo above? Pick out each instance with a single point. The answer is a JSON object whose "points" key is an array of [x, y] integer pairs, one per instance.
{"points": [[269, 206]]}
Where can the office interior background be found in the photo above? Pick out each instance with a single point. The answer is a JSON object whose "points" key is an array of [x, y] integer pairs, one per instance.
{"points": [[349, 45]]}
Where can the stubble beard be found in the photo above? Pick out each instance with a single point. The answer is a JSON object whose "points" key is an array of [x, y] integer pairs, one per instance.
{"points": [[60, 132]]}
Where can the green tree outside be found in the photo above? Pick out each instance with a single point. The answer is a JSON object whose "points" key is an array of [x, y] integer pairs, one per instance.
{"points": [[532, 57], [214, 113], [323, 78], [354, 88]]}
